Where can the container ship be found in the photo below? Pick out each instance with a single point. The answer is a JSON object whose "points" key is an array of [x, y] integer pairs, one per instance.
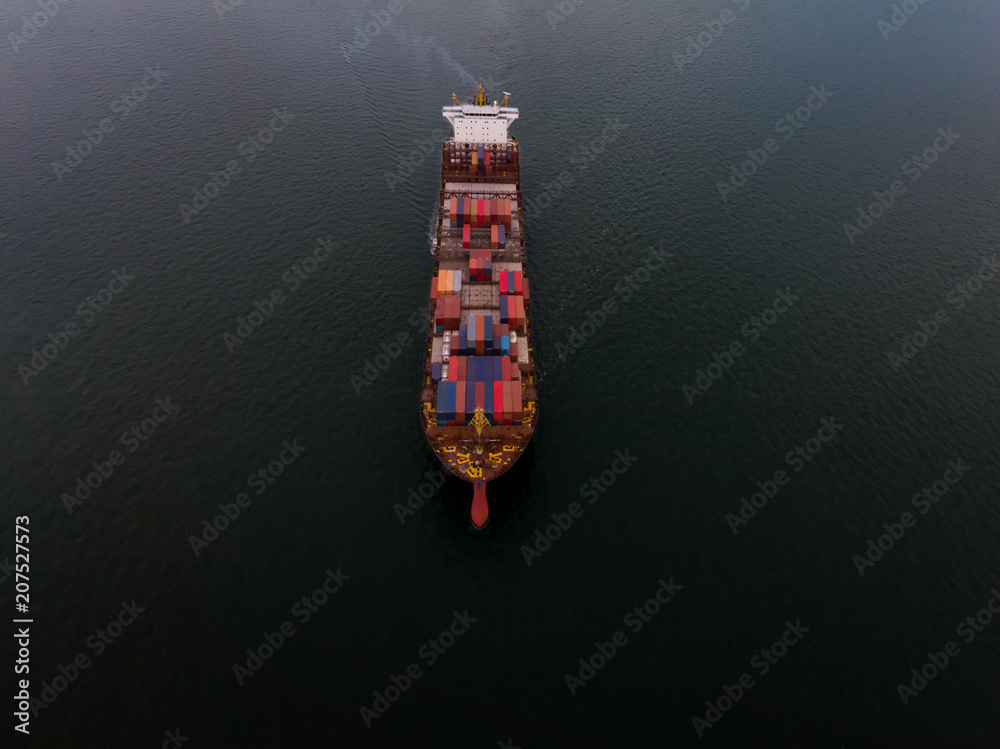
{"points": [[479, 405]]}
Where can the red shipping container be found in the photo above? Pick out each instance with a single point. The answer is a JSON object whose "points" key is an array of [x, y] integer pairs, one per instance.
{"points": [[453, 210], [503, 292], [453, 370], [525, 294], [516, 399], [507, 403], [487, 213], [466, 236], [498, 403], [505, 368], [497, 216], [456, 313], [481, 394], [463, 364], [520, 312], [460, 403], [518, 287], [480, 213], [487, 159], [439, 311], [434, 288]]}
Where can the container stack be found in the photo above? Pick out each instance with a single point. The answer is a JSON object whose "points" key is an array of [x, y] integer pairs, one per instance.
{"points": [[448, 282], [447, 312], [480, 266], [492, 382], [466, 237]]}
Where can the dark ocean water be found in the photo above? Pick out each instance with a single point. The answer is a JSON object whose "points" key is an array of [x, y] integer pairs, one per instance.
{"points": [[331, 170]]}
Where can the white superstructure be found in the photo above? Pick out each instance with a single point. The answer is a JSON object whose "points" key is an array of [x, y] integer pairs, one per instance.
{"points": [[480, 122]]}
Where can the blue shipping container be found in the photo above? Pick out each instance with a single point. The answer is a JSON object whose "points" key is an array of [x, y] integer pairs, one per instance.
{"points": [[505, 345], [497, 369]]}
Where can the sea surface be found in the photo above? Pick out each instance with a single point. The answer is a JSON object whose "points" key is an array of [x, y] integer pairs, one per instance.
{"points": [[273, 161]]}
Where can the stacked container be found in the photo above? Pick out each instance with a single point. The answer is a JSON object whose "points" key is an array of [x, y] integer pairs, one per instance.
{"points": [[466, 236]]}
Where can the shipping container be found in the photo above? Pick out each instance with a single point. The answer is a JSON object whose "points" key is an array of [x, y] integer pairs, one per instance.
{"points": [[498, 402], [487, 215], [488, 404], [488, 163], [460, 402], [466, 236], [475, 158], [434, 288], [435, 373], [480, 215], [441, 407], [518, 282], [501, 237], [505, 345], [494, 237], [504, 368], [481, 394], [503, 285], [524, 293], [453, 210], [520, 312]]}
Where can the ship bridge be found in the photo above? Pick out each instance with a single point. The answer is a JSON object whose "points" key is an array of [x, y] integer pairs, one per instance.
{"points": [[480, 122]]}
